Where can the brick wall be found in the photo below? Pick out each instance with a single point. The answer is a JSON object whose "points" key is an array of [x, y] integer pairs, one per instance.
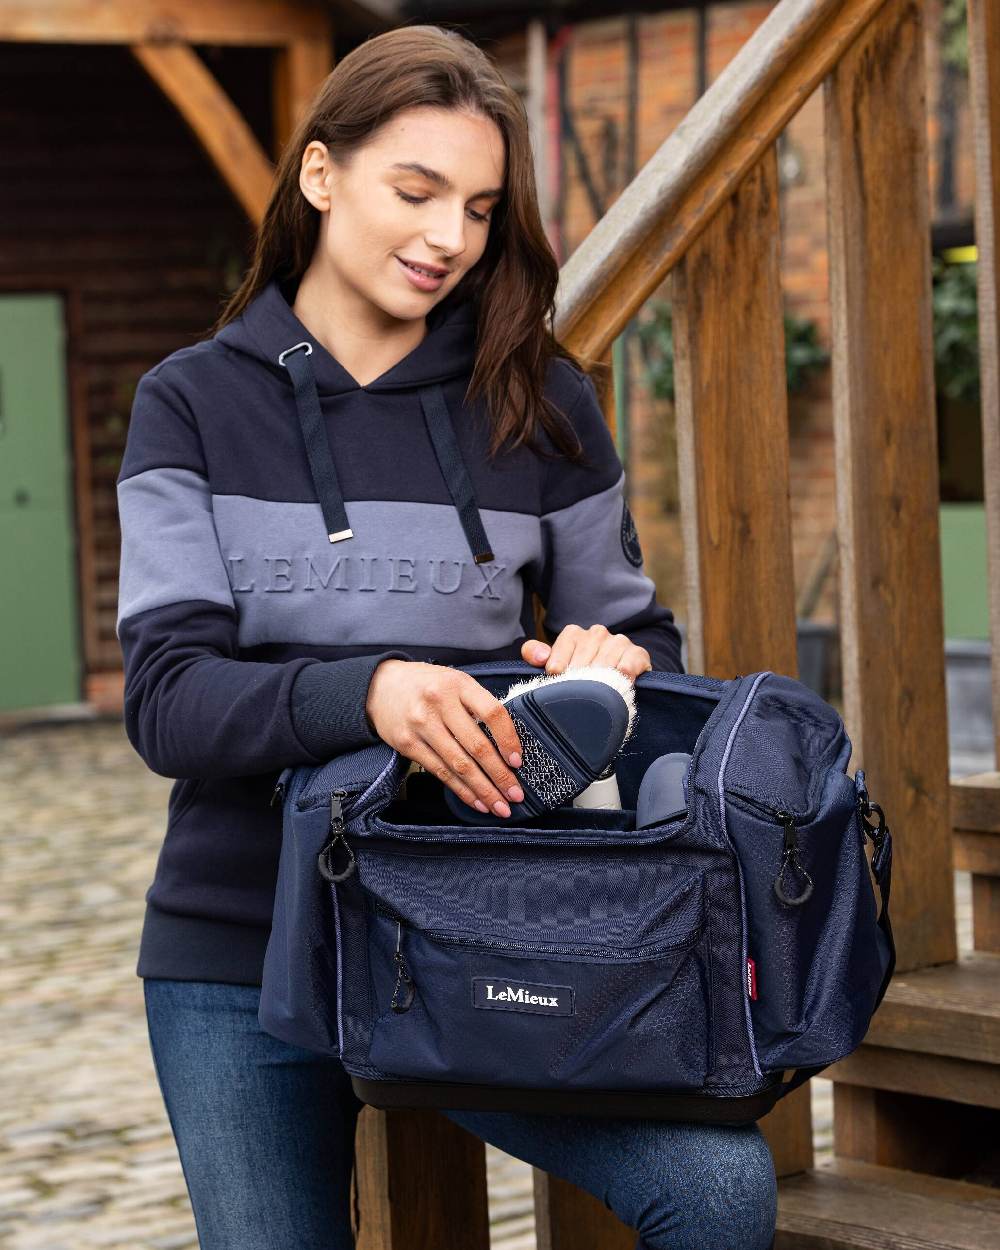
{"points": [[667, 87]]}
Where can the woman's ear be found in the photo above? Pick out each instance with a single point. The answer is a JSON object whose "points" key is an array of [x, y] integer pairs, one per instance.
{"points": [[315, 175]]}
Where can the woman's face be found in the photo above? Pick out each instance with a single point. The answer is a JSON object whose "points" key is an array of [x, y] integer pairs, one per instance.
{"points": [[421, 190]]}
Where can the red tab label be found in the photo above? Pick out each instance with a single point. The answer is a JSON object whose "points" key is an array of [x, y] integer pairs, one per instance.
{"points": [[752, 979]]}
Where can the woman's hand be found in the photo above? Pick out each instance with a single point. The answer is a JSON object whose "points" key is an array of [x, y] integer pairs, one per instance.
{"points": [[576, 646], [430, 714]]}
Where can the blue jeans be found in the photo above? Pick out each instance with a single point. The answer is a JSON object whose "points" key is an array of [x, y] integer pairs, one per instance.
{"points": [[265, 1133]]}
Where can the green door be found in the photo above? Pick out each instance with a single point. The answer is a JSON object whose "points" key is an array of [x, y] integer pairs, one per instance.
{"points": [[39, 620]]}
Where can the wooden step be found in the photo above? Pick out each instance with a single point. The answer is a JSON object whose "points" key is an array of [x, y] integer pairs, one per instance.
{"points": [[949, 1009], [843, 1205], [922, 1092], [936, 1033], [975, 818]]}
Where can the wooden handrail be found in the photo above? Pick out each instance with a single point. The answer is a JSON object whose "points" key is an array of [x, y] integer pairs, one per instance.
{"points": [[678, 191]]}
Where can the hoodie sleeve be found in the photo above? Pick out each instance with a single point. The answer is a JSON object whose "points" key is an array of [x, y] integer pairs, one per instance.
{"points": [[191, 707], [592, 563]]}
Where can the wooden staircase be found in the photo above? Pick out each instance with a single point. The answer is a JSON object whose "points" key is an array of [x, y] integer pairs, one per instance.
{"points": [[917, 1106]]}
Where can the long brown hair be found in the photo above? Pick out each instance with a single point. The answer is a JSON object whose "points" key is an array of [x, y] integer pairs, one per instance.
{"points": [[513, 284]]}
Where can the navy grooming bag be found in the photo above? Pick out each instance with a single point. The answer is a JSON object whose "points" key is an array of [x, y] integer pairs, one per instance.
{"points": [[698, 969]]}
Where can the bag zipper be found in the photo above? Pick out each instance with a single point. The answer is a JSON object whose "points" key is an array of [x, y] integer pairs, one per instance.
{"points": [[790, 849], [325, 858], [403, 977], [279, 789], [606, 954], [483, 835]]}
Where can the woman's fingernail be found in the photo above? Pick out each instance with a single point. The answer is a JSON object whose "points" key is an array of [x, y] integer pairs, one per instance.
{"points": [[541, 653], [515, 794], [515, 759], [501, 808], [481, 806]]}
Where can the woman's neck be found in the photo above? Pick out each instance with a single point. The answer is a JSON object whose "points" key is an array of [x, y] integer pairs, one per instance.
{"points": [[361, 337]]}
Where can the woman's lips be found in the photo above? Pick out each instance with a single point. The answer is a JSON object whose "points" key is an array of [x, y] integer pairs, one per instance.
{"points": [[421, 281]]}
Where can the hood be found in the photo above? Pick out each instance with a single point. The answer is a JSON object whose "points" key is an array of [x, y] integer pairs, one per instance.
{"points": [[267, 326], [269, 330]]}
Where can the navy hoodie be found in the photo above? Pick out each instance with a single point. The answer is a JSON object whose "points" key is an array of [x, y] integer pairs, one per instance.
{"points": [[285, 529]]}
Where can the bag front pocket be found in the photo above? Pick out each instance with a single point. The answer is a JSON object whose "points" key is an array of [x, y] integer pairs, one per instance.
{"points": [[573, 969]]}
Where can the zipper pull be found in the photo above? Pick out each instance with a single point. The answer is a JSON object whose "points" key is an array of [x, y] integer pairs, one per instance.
{"points": [[325, 857], [403, 977], [790, 855], [279, 788]]}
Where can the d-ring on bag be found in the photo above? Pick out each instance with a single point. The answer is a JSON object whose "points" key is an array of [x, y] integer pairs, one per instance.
{"points": [[578, 964]]}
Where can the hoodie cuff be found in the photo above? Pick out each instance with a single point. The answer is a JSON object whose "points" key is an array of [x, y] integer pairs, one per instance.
{"points": [[328, 703]]}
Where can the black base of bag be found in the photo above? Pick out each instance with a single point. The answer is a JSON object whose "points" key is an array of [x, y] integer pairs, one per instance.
{"points": [[695, 1108]]}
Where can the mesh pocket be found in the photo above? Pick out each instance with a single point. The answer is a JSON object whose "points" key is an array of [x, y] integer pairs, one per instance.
{"points": [[562, 968]]}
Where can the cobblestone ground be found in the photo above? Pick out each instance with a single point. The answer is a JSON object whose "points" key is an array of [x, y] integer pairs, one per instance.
{"points": [[86, 1154]]}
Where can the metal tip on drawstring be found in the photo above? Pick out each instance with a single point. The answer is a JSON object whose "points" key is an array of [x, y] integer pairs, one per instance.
{"points": [[335, 538], [483, 557]]}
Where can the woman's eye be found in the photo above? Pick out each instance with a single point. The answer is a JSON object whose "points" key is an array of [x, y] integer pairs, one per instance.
{"points": [[422, 199]]}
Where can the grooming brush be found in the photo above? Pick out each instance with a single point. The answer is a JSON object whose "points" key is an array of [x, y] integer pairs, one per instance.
{"points": [[663, 792], [571, 726], [602, 793]]}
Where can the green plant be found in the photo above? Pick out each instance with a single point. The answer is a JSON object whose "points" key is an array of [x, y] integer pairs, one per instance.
{"points": [[956, 330], [804, 354], [955, 34], [656, 335]]}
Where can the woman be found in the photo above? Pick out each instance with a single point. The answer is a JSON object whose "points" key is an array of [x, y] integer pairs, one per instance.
{"points": [[392, 334]]}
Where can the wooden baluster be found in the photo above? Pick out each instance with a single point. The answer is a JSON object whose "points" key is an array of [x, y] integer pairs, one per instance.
{"points": [[887, 502], [420, 1183], [732, 441]]}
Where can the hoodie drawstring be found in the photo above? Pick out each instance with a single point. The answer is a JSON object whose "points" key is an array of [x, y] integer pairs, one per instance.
{"points": [[442, 435], [324, 474]]}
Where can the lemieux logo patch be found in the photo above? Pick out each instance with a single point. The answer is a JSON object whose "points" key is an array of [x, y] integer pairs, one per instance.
{"points": [[629, 537], [496, 994]]}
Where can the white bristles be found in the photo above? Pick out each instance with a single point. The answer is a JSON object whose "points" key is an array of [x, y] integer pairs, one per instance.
{"points": [[586, 672]]}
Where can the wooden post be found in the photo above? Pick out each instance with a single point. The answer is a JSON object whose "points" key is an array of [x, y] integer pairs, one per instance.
{"points": [[732, 440], [570, 1218], [567, 1217], [984, 83], [420, 1183], [885, 432], [300, 68]]}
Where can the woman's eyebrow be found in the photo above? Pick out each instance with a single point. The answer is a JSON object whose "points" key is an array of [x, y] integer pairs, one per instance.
{"points": [[442, 180]]}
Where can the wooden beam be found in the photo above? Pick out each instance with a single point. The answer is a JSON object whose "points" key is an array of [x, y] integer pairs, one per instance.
{"points": [[984, 95], [213, 119], [241, 23], [885, 432], [300, 69], [675, 195]]}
